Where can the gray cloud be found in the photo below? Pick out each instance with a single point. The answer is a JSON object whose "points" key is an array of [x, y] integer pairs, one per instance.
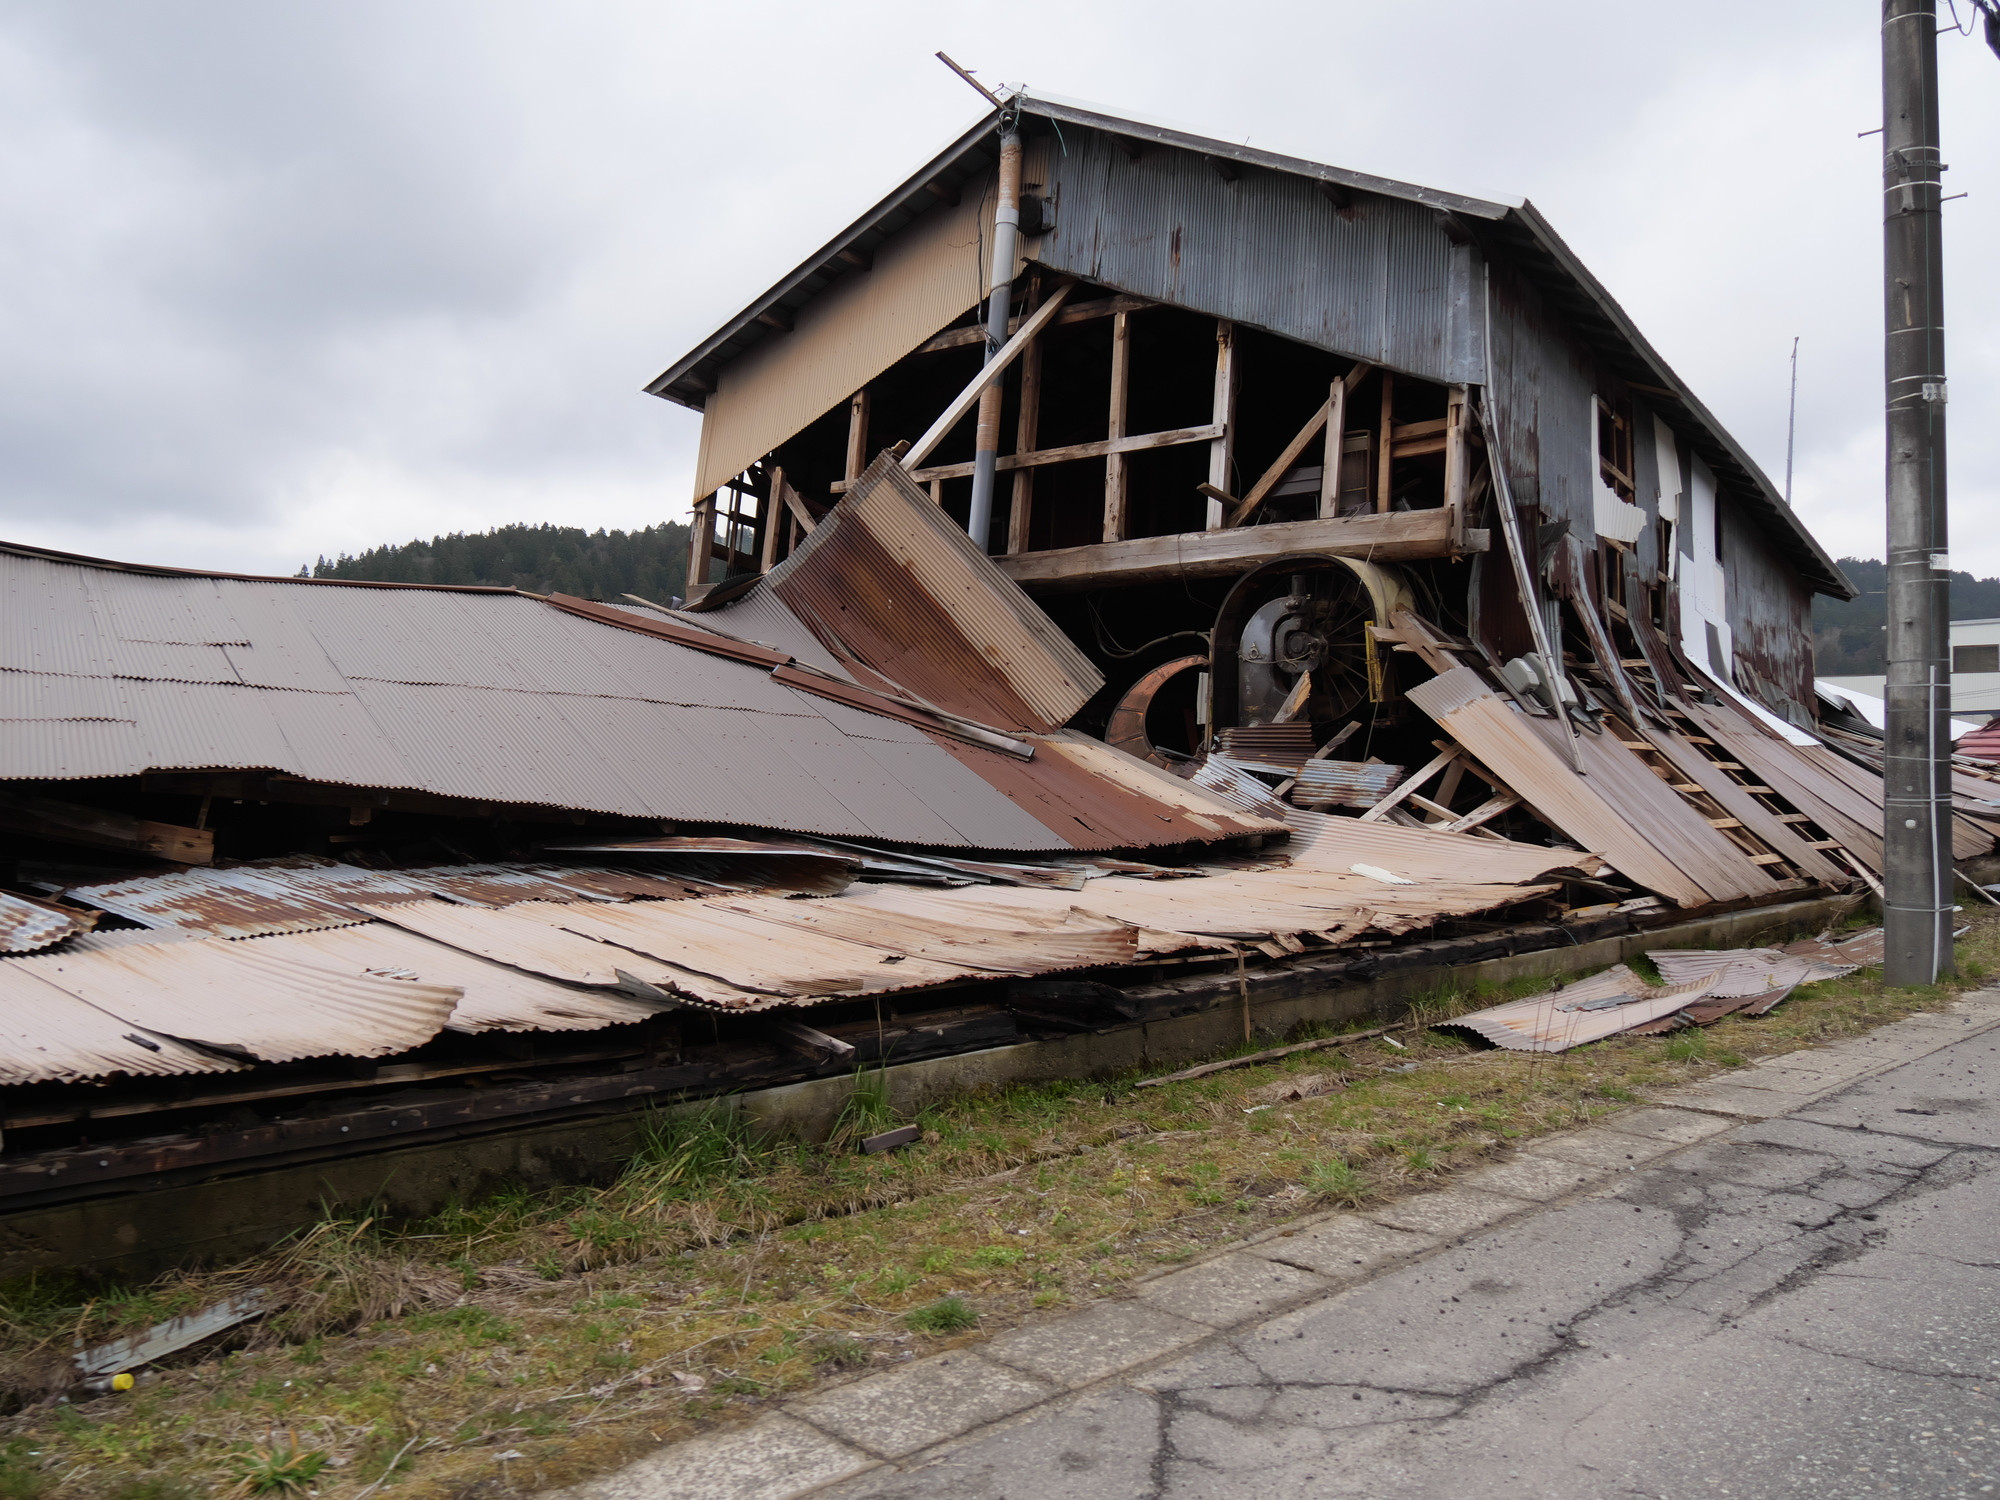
{"points": [[281, 280]]}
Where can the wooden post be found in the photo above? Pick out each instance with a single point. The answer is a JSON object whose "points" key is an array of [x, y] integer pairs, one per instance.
{"points": [[1336, 437], [1222, 450], [857, 435], [1027, 432], [1456, 469], [1114, 463], [774, 508], [1384, 444], [937, 492], [701, 543]]}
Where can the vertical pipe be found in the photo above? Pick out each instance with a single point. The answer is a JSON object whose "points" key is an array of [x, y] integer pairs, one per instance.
{"points": [[1222, 450], [1006, 242], [1917, 871]]}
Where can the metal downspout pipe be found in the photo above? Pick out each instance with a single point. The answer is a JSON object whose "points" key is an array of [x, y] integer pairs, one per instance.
{"points": [[1006, 244]]}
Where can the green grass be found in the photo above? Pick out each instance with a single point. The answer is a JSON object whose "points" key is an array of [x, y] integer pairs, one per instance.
{"points": [[946, 1315]]}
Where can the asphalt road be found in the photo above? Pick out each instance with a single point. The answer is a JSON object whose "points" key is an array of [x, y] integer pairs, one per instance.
{"points": [[1805, 1306]]}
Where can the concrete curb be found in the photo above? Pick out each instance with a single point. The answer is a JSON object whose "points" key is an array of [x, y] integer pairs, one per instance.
{"points": [[904, 1417]]}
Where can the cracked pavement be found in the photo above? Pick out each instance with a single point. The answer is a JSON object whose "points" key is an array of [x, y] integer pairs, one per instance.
{"points": [[1806, 1303]]}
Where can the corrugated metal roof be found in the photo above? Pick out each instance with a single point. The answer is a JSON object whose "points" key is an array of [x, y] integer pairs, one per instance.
{"points": [[496, 998], [28, 925], [238, 998], [48, 1035], [492, 697], [303, 892]]}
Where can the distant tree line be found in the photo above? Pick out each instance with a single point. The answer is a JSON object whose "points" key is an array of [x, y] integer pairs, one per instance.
{"points": [[1848, 636], [651, 562]]}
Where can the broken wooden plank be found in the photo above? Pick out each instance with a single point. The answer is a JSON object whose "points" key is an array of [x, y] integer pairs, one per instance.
{"points": [[1398, 537], [803, 1039], [1082, 312], [1222, 449], [1098, 448], [961, 405], [73, 823], [1409, 787], [1269, 1055], [1114, 431]]}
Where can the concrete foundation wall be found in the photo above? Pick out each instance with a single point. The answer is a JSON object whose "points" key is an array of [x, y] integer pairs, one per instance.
{"points": [[229, 1216]]}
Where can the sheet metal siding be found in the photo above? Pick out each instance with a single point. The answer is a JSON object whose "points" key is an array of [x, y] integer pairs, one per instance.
{"points": [[1646, 480], [1542, 386], [1267, 250], [1769, 610]]}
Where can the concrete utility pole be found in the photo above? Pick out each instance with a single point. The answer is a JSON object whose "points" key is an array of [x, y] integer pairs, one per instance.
{"points": [[1917, 874]]}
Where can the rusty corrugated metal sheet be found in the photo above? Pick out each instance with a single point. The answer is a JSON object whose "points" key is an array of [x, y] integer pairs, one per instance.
{"points": [[301, 893], [48, 1035], [1607, 1004], [238, 998], [887, 580], [26, 926], [496, 998]]}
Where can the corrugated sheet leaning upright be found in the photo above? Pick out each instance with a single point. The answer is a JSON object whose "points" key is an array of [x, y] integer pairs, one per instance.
{"points": [[889, 582]]}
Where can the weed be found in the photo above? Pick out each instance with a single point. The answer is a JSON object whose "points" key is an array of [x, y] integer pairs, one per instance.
{"points": [[896, 1280], [278, 1468], [840, 1351], [21, 1478], [935, 1261], [995, 1257], [1690, 1045], [867, 1110], [1335, 1180], [946, 1315], [1421, 1160]]}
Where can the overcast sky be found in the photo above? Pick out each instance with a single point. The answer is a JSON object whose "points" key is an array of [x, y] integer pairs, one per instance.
{"points": [[282, 280]]}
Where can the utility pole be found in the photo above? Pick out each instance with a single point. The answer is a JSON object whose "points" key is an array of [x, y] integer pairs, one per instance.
{"points": [[1917, 873]]}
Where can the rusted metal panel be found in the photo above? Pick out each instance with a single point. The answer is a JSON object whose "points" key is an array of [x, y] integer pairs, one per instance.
{"points": [[496, 997], [1615, 1001], [27, 926], [301, 893], [887, 580], [248, 1000], [1770, 622]]}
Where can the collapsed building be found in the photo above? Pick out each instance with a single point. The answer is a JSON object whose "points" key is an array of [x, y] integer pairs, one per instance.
{"points": [[1350, 590]]}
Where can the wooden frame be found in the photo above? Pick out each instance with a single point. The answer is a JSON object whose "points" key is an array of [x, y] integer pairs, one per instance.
{"points": [[1116, 486], [1222, 448], [1027, 431]]}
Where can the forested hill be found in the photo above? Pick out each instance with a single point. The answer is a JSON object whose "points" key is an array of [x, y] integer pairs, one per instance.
{"points": [[651, 562], [1847, 637]]}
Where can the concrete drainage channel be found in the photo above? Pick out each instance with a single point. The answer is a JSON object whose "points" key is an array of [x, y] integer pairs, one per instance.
{"points": [[221, 1216], [933, 1410]]}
